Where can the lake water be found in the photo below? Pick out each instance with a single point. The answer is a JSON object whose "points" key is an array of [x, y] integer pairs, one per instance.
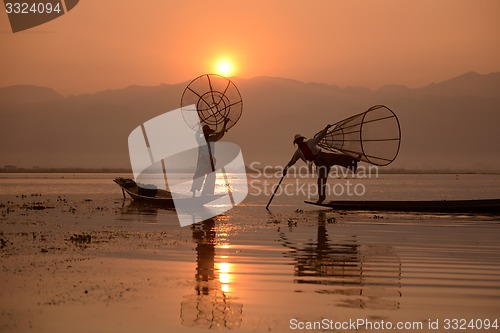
{"points": [[293, 268]]}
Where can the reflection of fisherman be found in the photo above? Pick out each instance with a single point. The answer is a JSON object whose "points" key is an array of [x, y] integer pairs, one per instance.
{"points": [[205, 168], [204, 236], [308, 151], [210, 307]]}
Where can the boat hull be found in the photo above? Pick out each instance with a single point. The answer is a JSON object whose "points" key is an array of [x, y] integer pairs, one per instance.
{"points": [[488, 206], [161, 197]]}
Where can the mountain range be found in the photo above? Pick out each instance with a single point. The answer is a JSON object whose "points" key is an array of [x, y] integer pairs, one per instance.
{"points": [[446, 125]]}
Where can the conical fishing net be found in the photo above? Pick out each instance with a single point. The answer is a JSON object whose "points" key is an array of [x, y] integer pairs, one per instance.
{"points": [[372, 136], [216, 99]]}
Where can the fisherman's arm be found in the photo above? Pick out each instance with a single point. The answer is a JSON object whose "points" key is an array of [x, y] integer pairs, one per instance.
{"points": [[216, 136], [294, 160], [322, 134], [220, 135]]}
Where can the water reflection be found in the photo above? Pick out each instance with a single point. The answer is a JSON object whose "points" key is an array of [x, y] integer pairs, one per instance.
{"points": [[141, 213], [138, 209], [210, 306], [361, 276]]}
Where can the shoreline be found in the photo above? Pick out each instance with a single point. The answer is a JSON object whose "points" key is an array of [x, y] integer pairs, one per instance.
{"points": [[20, 170]]}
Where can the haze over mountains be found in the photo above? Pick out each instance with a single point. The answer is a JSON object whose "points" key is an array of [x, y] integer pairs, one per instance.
{"points": [[446, 125]]}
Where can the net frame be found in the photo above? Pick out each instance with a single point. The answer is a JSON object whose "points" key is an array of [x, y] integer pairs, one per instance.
{"points": [[216, 98], [346, 136]]}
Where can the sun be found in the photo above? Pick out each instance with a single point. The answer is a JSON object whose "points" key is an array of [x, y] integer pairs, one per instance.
{"points": [[224, 67]]}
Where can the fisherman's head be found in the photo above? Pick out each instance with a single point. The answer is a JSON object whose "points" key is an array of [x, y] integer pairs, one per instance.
{"points": [[298, 139], [207, 130]]}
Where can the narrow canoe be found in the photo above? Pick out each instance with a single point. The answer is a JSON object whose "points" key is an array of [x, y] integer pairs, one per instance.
{"points": [[159, 197], [156, 197], [487, 206]]}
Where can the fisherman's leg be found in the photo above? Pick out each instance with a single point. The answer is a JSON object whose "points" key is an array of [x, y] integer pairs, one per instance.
{"points": [[202, 168], [348, 162], [197, 184], [323, 172], [209, 186], [342, 160]]}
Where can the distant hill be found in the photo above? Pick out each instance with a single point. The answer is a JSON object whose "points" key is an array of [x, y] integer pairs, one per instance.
{"points": [[448, 125], [21, 94], [469, 84]]}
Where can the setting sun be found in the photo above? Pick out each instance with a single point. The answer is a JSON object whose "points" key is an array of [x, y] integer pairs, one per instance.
{"points": [[224, 67]]}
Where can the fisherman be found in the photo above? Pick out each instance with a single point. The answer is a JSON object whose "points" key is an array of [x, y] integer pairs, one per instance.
{"points": [[204, 175], [308, 151]]}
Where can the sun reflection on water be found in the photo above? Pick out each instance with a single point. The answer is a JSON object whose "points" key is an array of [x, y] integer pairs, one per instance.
{"points": [[210, 306]]}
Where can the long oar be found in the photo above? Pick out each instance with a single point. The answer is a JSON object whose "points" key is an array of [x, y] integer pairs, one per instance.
{"points": [[275, 190]]}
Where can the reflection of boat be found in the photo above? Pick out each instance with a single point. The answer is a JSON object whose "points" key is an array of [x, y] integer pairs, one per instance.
{"points": [[488, 206], [141, 194]]}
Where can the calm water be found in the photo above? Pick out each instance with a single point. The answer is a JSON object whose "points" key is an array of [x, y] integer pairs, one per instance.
{"points": [[254, 270]]}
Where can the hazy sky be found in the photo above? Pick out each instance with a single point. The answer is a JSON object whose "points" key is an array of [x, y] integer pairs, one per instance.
{"points": [[109, 44]]}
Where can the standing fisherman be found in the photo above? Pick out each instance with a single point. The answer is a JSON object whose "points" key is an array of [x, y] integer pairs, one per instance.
{"points": [[308, 151], [205, 168]]}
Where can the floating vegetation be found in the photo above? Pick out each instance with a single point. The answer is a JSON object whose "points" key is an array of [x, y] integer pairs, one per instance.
{"points": [[35, 206], [331, 220], [3, 243], [81, 238]]}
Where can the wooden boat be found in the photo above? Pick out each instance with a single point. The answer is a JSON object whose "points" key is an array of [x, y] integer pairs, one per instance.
{"points": [[486, 206], [145, 195], [159, 197]]}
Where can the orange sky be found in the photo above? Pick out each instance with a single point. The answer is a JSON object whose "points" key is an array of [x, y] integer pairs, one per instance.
{"points": [[115, 43]]}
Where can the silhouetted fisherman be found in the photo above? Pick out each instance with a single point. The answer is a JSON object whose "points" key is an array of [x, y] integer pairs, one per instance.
{"points": [[204, 177], [308, 151]]}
